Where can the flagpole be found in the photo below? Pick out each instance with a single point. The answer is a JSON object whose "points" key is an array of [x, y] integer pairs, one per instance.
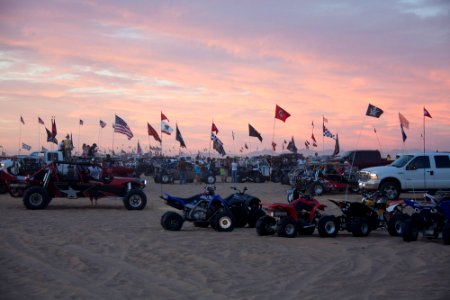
{"points": [[98, 140], [78, 144], [323, 137], [424, 131], [379, 144], [39, 136], [20, 134]]}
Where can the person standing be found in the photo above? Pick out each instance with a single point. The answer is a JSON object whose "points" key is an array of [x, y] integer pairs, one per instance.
{"points": [[197, 172], [234, 170]]}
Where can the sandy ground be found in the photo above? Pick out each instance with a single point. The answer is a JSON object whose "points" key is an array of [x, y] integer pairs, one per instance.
{"points": [[74, 251]]}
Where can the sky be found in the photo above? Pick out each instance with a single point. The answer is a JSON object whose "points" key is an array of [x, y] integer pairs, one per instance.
{"points": [[228, 62]]}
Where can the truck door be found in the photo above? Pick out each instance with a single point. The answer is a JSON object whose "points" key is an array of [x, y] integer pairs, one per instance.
{"points": [[418, 175], [442, 171]]}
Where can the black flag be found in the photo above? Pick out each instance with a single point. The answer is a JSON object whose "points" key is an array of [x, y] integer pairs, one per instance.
{"points": [[336, 146], [179, 138], [374, 111], [50, 137], [291, 146], [252, 132]]}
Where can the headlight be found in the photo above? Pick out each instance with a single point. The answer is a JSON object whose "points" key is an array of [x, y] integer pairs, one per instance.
{"points": [[373, 176]]}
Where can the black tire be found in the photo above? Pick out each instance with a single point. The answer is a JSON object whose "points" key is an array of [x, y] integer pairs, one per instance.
{"points": [[166, 178], [328, 226], [172, 221], [307, 231], [36, 198], [390, 189], [254, 216], [446, 233], [135, 199], [354, 188], [360, 227], [265, 226], [16, 192], [317, 188], [287, 228], [224, 221], [394, 225], [201, 224], [410, 230], [210, 179]]}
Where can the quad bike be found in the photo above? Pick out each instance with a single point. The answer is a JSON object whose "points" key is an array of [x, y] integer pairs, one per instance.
{"points": [[300, 216], [390, 213], [431, 218], [357, 218], [246, 209]]}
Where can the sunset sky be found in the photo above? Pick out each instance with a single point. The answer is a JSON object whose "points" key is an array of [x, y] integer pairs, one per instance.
{"points": [[229, 62]]}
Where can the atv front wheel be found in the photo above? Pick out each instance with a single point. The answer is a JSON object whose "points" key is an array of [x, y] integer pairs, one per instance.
{"points": [[36, 198], [410, 231], [265, 226], [394, 225], [171, 221], [254, 216], [287, 228], [135, 199], [224, 222], [360, 227], [328, 226]]}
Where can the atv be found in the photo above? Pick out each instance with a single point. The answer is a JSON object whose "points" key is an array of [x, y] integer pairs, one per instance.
{"points": [[300, 216], [431, 218]]}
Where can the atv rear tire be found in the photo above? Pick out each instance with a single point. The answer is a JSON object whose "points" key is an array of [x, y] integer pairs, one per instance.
{"points": [[36, 198], [446, 233], [172, 221], [287, 228], [265, 225], [254, 216], [328, 226], [394, 225], [360, 227], [224, 221], [135, 199], [410, 230]]}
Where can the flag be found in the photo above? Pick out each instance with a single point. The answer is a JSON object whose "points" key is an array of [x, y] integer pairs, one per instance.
{"points": [[165, 127], [22, 120], [313, 138], [252, 132], [281, 114], [152, 132], [336, 146], [374, 111], [425, 113], [103, 124], [312, 124], [54, 131], [404, 137], [26, 147], [403, 121], [139, 149], [291, 146], [218, 145], [246, 147], [232, 134], [179, 138], [306, 145], [274, 146], [325, 120], [81, 122], [214, 128], [50, 137], [374, 130], [327, 133], [40, 121], [120, 126]]}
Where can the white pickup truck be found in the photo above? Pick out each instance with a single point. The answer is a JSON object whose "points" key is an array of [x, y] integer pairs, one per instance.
{"points": [[417, 172]]}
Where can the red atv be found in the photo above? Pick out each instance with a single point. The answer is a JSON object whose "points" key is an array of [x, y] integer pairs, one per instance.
{"points": [[301, 216]]}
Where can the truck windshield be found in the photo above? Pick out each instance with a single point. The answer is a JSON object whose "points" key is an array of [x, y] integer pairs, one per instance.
{"points": [[402, 161]]}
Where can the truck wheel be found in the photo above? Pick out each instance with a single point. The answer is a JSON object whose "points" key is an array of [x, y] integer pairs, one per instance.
{"points": [[135, 199], [390, 189], [36, 198], [171, 221], [328, 226], [394, 225], [360, 227], [410, 231], [265, 226], [287, 228], [446, 233], [224, 221]]}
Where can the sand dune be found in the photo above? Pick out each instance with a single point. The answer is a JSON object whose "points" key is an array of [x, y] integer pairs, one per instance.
{"points": [[74, 251]]}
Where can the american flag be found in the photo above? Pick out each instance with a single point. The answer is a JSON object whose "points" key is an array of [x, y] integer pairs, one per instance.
{"points": [[327, 133], [121, 126]]}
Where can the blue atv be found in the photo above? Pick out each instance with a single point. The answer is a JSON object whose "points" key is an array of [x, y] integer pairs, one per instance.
{"points": [[207, 209], [431, 218]]}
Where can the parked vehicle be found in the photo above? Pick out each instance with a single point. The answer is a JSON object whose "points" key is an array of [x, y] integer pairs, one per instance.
{"points": [[431, 219], [167, 173], [72, 180], [362, 158], [418, 172], [300, 216]]}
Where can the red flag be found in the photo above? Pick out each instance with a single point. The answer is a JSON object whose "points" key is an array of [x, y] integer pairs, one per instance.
{"points": [[281, 114], [426, 113], [313, 138], [81, 122], [152, 132], [163, 117], [214, 128], [325, 120], [165, 127]]}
